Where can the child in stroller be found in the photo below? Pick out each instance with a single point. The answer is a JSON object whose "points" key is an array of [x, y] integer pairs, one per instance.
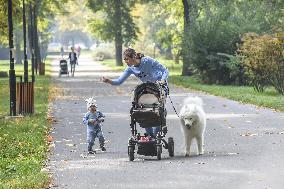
{"points": [[148, 110]]}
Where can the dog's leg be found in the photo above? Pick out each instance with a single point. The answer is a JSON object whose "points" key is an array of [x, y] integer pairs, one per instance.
{"points": [[199, 140], [187, 145]]}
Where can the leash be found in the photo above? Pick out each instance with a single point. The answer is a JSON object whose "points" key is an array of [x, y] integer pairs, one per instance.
{"points": [[173, 106]]}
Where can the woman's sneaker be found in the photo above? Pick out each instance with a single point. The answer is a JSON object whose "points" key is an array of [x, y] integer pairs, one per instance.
{"points": [[103, 149]]}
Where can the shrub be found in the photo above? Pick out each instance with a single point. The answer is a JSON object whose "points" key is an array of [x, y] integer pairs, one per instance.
{"points": [[106, 51], [236, 69], [263, 60], [207, 38]]}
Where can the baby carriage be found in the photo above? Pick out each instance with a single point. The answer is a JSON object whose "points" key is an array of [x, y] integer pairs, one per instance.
{"points": [[148, 110], [63, 67]]}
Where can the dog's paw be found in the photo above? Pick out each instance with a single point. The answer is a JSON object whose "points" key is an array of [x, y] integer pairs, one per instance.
{"points": [[201, 153]]}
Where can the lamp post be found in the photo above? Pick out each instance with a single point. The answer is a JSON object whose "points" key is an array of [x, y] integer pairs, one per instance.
{"points": [[12, 76], [26, 75]]}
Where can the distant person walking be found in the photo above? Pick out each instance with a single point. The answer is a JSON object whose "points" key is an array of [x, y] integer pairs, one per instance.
{"points": [[78, 50], [73, 60], [62, 52]]}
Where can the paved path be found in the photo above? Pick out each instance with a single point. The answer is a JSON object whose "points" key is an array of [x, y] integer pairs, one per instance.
{"points": [[244, 145]]}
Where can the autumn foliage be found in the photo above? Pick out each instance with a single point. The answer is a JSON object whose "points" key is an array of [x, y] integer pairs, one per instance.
{"points": [[263, 59]]}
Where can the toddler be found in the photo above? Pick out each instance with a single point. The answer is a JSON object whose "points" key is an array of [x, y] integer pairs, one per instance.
{"points": [[93, 119]]}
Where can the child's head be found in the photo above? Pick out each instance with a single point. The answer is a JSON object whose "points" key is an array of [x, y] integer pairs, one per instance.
{"points": [[91, 104]]}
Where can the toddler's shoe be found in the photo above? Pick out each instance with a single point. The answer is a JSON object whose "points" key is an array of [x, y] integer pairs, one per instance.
{"points": [[91, 152], [103, 149]]}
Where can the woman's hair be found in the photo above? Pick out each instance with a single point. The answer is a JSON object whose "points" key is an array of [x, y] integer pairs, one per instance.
{"points": [[129, 52]]}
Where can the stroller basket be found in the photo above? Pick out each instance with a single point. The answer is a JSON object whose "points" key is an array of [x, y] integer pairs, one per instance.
{"points": [[147, 118]]}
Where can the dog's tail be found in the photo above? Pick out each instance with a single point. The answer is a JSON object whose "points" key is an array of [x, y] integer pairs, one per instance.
{"points": [[193, 100]]}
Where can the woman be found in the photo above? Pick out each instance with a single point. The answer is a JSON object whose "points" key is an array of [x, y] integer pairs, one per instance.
{"points": [[146, 69]]}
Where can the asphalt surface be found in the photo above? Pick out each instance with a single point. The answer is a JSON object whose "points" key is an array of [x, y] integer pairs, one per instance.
{"points": [[244, 144]]}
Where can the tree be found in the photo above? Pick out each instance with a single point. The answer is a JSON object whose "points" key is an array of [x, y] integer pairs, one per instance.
{"points": [[158, 28], [70, 27], [191, 11], [40, 19], [4, 18], [115, 23], [216, 27]]}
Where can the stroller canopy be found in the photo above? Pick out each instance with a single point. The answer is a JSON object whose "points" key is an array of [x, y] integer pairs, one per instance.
{"points": [[152, 90]]}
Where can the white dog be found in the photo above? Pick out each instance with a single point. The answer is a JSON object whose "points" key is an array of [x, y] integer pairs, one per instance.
{"points": [[193, 121]]}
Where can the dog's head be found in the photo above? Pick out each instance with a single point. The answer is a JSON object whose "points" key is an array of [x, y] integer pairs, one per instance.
{"points": [[189, 115]]}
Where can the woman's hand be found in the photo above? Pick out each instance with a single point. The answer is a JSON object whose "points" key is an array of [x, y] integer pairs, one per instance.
{"points": [[106, 80]]}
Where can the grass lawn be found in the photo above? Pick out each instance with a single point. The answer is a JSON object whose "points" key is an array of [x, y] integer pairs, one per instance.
{"points": [[270, 98], [23, 141]]}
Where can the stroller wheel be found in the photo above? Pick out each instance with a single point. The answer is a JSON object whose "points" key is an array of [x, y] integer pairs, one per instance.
{"points": [[159, 151], [171, 147], [131, 153]]}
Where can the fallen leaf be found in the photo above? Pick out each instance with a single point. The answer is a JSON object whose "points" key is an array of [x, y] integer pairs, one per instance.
{"points": [[233, 153], [249, 134], [67, 140], [44, 170], [49, 138], [70, 144]]}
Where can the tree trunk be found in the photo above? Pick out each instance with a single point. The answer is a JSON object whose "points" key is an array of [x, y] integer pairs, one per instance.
{"points": [[190, 15], [37, 46], [185, 41], [31, 39], [118, 36], [176, 58]]}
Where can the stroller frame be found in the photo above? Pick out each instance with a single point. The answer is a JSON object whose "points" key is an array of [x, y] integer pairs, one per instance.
{"points": [[150, 115]]}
